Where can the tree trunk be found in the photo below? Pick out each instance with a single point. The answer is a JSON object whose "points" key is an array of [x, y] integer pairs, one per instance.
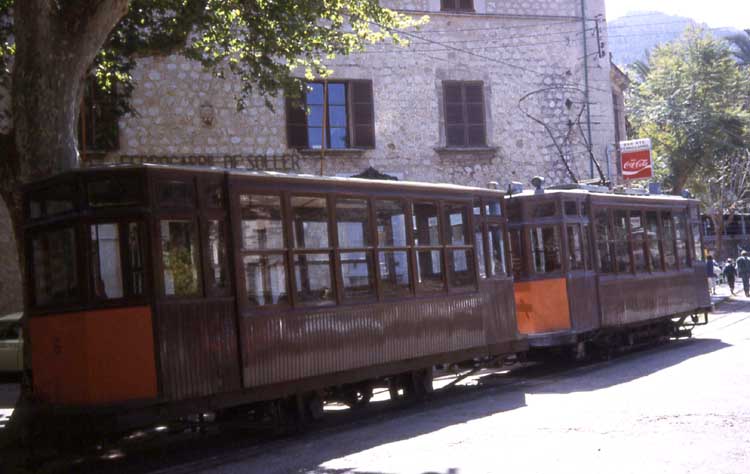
{"points": [[56, 43]]}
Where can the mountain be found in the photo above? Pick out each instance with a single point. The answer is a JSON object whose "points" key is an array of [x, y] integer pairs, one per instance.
{"points": [[632, 35]]}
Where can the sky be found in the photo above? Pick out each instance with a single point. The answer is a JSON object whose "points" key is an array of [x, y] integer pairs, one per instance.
{"points": [[716, 13]]}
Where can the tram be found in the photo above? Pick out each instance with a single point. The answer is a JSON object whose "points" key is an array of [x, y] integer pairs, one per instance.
{"points": [[157, 291], [596, 268]]}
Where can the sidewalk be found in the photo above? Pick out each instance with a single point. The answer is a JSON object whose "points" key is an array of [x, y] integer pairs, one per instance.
{"points": [[722, 293]]}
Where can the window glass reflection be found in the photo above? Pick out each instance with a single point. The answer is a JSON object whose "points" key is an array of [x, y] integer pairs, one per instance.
{"points": [[106, 270]]}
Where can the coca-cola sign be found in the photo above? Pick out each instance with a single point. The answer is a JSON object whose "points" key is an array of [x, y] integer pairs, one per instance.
{"points": [[635, 159]]}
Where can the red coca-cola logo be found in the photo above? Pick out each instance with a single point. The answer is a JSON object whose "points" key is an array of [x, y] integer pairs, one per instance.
{"points": [[636, 164]]}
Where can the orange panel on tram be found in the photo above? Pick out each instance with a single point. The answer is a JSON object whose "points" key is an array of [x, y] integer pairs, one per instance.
{"points": [[542, 306], [94, 357]]}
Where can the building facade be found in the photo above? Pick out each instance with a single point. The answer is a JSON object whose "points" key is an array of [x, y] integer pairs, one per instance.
{"points": [[486, 91]]}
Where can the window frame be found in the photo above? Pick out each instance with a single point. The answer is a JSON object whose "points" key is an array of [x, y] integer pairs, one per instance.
{"points": [[378, 248], [125, 266], [456, 6], [465, 124], [352, 116]]}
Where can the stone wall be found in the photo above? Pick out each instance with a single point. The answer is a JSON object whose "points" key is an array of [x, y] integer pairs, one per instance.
{"points": [[511, 55]]}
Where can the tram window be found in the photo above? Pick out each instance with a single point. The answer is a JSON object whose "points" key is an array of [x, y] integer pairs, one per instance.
{"points": [[497, 248], [179, 257], [176, 194], [652, 244], [353, 223], [312, 274], [357, 275], [493, 208], [106, 270], [217, 255], [426, 224], [477, 208], [697, 252], [265, 279], [213, 194], [430, 270], [513, 208], [586, 246], [262, 222], [310, 222], [136, 258], [54, 258], [394, 273], [516, 252], [606, 260], [457, 224], [544, 209], [620, 233], [638, 241], [545, 243], [461, 272], [52, 201], [681, 238], [571, 208], [670, 259], [479, 245], [391, 222], [575, 253], [120, 191]]}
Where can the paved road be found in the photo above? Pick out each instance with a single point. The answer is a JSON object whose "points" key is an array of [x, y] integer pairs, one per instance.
{"points": [[681, 408]]}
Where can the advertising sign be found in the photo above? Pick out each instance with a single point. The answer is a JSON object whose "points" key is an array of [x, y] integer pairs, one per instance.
{"points": [[635, 159]]}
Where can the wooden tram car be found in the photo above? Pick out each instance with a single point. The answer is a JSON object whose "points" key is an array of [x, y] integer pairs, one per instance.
{"points": [[160, 291], [594, 267]]}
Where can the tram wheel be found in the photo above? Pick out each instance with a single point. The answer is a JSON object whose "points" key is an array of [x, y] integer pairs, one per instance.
{"points": [[358, 395]]}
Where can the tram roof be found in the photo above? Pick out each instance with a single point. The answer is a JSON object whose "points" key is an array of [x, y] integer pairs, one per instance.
{"points": [[292, 176], [528, 193]]}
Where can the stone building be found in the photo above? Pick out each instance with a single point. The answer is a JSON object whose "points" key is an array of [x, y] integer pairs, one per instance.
{"points": [[486, 91]]}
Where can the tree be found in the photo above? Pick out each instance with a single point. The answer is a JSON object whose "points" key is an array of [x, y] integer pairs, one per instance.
{"points": [[48, 48], [690, 103], [726, 194]]}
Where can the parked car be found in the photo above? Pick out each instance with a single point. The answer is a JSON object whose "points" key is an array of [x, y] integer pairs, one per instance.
{"points": [[11, 344]]}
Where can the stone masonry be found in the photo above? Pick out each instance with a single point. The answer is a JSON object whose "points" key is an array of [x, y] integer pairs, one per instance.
{"points": [[514, 47]]}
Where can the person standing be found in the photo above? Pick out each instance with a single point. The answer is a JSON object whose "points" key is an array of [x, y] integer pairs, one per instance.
{"points": [[710, 274], [743, 270], [730, 272]]}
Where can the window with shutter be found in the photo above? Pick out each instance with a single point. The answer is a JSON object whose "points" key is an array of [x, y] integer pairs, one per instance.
{"points": [[332, 115], [464, 114], [457, 5]]}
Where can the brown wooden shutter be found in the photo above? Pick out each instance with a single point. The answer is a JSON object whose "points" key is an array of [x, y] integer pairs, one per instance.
{"points": [[296, 123], [454, 114], [363, 115]]}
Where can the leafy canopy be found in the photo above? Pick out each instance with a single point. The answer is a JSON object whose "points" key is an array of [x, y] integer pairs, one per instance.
{"points": [[690, 101], [263, 42]]}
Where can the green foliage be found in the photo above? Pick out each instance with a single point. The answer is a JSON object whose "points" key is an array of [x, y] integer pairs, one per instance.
{"points": [[266, 43], [690, 101]]}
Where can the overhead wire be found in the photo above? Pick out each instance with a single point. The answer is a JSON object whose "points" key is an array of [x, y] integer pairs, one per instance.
{"points": [[471, 53]]}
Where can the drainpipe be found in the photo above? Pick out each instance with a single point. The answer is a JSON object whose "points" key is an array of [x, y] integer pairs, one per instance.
{"points": [[586, 82]]}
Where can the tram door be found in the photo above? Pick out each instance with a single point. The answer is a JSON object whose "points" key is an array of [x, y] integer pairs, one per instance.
{"points": [[581, 276]]}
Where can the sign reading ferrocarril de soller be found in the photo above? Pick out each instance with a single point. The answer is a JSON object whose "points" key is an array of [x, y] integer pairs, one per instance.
{"points": [[289, 162]]}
